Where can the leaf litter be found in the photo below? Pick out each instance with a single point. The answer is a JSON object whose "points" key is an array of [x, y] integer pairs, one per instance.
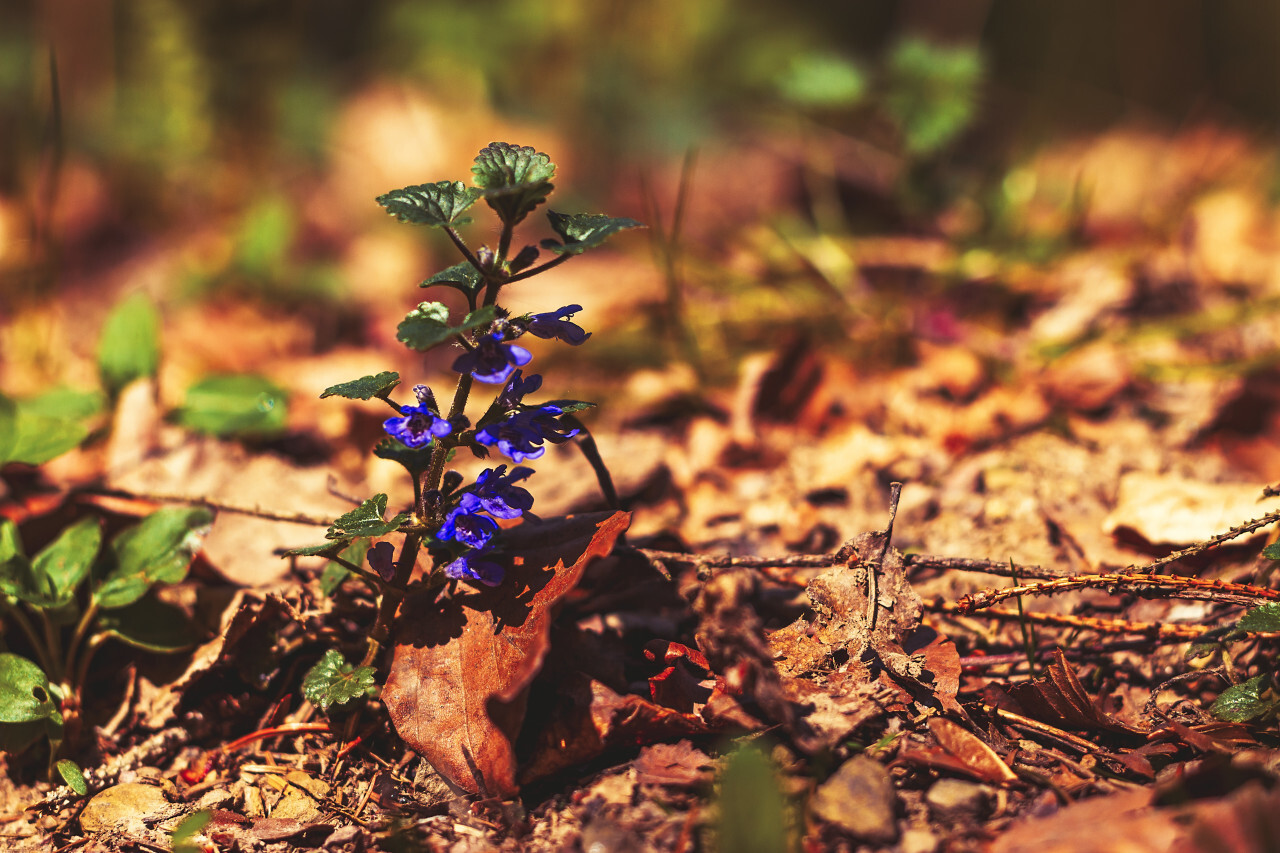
{"points": [[767, 585]]}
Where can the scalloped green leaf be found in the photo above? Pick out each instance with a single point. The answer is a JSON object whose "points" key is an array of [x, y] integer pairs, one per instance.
{"points": [[463, 276], [515, 179], [25, 695], [414, 459], [366, 520], [159, 549], [366, 387], [333, 681], [1265, 617], [129, 347], [437, 205], [230, 405], [1246, 700], [428, 326], [1272, 552], [583, 231]]}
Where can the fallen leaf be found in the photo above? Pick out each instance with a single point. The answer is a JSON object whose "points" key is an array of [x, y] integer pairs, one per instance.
{"points": [[461, 667], [980, 760]]}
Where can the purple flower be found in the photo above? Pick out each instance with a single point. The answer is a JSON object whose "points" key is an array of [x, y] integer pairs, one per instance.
{"points": [[492, 360], [382, 558], [516, 390], [520, 434], [471, 566], [468, 528], [419, 425], [555, 324], [495, 493]]}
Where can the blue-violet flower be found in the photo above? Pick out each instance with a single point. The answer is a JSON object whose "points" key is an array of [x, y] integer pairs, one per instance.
{"points": [[493, 359], [470, 567], [495, 493], [555, 324], [469, 528], [419, 424], [521, 433]]}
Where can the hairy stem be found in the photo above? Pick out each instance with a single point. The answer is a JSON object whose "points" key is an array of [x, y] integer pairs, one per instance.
{"points": [[530, 273], [392, 595]]}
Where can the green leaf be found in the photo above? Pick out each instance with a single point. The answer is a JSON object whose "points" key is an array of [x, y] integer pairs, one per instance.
{"points": [[933, 92], [129, 347], [823, 80], [8, 428], [515, 179], [333, 681], [24, 691], [365, 388], [182, 840], [234, 405], [16, 578], [73, 776], [568, 406], [335, 573], [1272, 552], [66, 404], [41, 438], [438, 204], [65, 562], [753, 810], [1244, 701], [428, 326], [159, 549], [1265, 617], [366, 521], [328, 549], [414, 459], [583, 231], [151, 625], [463, 276]]}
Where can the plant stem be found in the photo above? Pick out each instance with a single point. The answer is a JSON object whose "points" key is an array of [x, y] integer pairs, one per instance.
{"points": [[462, 247], [54, 643], [530, 273], [82, 628], [82, 670], [392, 595], [37, 644]]}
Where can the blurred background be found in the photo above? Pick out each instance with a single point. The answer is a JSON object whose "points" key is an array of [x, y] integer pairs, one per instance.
{"points": [[222, 156]]}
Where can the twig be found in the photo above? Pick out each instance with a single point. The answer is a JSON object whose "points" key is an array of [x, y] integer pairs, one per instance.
{"points": [[1163, 630], [193, 500], [1170, 586], [1211, 542]]}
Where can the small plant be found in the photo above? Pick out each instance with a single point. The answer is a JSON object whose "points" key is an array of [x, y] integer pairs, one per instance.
{"points": [[1250, 698], [72, 597], [457, 523]]}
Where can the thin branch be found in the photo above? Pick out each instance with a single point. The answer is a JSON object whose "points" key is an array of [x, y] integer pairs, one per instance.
{"points": [[1170, 586], [530, 273]]}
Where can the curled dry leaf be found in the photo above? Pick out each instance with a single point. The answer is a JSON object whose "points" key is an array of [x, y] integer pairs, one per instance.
{"points": [[1059, 698], [980, 760], [461, 667]]}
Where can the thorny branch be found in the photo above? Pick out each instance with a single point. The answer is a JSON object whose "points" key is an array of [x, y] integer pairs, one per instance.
{"points": [[1169, 585]]}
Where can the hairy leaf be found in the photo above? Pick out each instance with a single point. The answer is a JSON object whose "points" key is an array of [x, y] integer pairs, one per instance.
{"points": [[1265, 617], [366, 520], [333, 681], [234, 405], [366, 387], [414, 459], [129, 347], [328, 549], [583, 231], [428, 326], [24, 691], [463, 276], [1272, 552], [461, 666], [437, 205], [1245, 700], [515, 179], [158, 549]]}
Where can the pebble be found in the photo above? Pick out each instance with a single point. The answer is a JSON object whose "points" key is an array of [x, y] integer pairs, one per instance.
{"points": [[956, 799], [860, 800]]}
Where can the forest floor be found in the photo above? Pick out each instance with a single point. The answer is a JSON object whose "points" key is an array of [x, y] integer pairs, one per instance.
{"points": [[767, 639]]}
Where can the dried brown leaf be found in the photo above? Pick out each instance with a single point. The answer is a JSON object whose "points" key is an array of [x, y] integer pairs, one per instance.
{"points": [[980, 760], [461, 667]]}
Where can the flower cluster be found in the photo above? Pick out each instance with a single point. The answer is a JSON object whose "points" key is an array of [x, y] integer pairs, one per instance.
{"points": [[469, 523]]}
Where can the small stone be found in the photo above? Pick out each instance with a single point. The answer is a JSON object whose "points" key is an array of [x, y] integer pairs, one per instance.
{"points": [[127, 808], [956, 799], [859, 799], [918, 841], [300, 801]]}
